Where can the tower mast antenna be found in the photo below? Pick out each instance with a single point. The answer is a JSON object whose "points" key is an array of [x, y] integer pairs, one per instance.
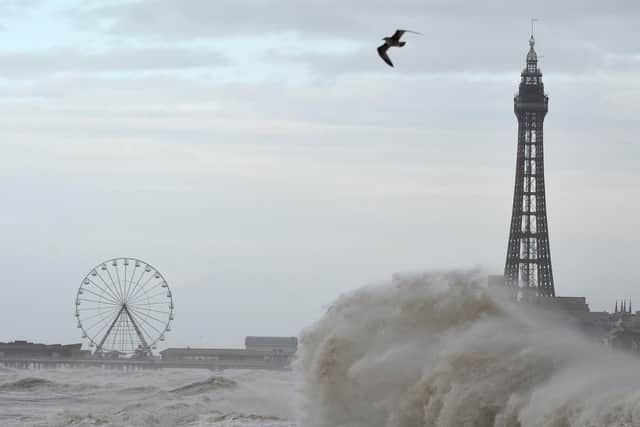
{"points": [[532, 22]]}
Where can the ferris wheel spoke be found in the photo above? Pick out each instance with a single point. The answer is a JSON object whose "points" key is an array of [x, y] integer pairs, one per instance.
{"points": [[115, 267], [98, 325], [149, 317], [114, 284], [124, 332], [141, 298], [113, 334], [119, 330], [99, 295], [111, 288], [100, 307], [154, 318], [136, 328], [133, 287], [132, 277], [99, 302], [108, 291], [109, 330], [145, 333], [101, 314], [151, 297], [143, 319], [157, 333], [150, 284], [145, 282], [147, 298], [117, 271], [96, 335], [126, 264], [110, 284], [101, 320], [151, 303], [143, 286], [141, 308], [131, 339]]}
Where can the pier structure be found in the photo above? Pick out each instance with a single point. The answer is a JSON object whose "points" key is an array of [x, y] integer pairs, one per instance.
{"points": [[264, 362], [259, 353]]}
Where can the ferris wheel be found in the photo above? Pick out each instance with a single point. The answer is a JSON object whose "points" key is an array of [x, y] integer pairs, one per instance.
{"points": [[124, 305]]}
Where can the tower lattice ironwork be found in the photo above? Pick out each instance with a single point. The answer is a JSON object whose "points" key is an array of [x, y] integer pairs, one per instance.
{"points": [[527, 269]]}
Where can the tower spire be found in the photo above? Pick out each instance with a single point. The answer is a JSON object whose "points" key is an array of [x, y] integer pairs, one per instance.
{"points": [[533, 20]]}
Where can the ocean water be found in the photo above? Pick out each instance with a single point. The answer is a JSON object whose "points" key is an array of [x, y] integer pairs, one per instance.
{"points": [[165, 397], [432, 350]]}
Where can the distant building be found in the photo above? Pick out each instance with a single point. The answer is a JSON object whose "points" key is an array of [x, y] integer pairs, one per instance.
{"points": [[278, 344], [25, 349], [619, 329], [568, 304], [260, 352]]}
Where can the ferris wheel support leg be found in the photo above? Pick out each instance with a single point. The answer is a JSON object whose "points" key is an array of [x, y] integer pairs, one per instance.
{"points": [[137, 329], [99, 347]]}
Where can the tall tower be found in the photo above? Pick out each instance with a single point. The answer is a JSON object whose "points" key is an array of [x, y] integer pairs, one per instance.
{"points": [[527, 270]]}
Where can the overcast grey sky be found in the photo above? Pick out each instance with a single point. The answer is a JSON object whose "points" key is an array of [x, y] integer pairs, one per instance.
{"points": [[264, 159]]}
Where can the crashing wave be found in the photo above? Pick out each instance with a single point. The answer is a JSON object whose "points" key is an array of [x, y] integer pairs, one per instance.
{"points": [[439, 350]]}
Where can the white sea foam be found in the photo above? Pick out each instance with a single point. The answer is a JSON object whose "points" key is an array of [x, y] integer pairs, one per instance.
{"points": [[439, 350]]}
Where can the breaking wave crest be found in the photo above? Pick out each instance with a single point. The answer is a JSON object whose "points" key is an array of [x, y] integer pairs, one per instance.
{"points": [[438, 350], [213, 383], [27, 384]]}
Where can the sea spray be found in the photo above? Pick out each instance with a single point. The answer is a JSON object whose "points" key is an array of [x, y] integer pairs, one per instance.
{"points": [[440, 350]]}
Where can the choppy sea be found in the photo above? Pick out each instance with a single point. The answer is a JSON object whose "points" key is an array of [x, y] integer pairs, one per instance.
{"points": [[164, 397]]}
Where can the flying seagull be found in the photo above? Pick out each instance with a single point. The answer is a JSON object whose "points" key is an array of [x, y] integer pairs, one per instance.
{"points": [[393, 41]]}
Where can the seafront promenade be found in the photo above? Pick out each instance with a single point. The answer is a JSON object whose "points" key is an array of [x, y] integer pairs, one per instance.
{"points": [[214, 365]]}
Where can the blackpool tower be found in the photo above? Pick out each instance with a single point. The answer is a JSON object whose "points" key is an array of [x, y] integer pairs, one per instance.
{"points": [[527, 270]]}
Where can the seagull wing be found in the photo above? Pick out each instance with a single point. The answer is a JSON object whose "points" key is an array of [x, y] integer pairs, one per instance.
{"points": [[382, 51], [396, 36], [406, 31]]}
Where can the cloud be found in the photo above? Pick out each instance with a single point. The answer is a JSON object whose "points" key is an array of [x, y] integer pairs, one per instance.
{"points": [[14, 6], [11, 8], [202, 18], [27, 65], [577, 36], [421, 57]]}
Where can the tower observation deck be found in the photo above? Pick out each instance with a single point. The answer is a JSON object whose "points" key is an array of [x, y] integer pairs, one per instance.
{"points": [[527, 270]]}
